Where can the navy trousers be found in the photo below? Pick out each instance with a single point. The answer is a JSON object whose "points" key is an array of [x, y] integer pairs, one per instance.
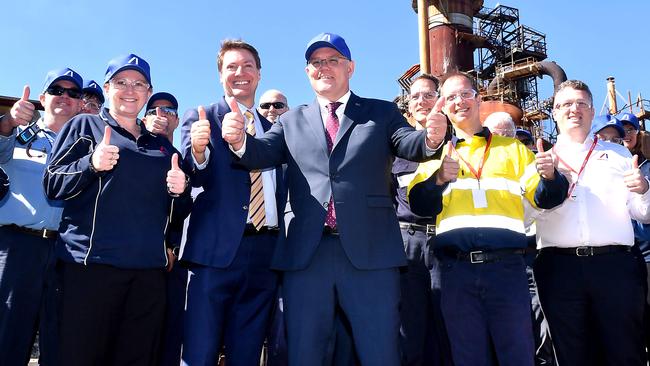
{"points": [[423, 336], [173, 330], [594, 306], [111, 316], [231, 307], [29, 298], [369, 299], [485, 305]]}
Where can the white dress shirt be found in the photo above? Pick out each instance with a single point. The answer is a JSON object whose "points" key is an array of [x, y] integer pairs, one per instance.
{"points": [[599, 210]]}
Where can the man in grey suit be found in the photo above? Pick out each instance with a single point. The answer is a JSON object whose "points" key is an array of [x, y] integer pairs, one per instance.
{"points": [[342, 243]]}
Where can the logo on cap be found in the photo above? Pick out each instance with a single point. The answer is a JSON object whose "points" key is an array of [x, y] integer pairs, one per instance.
{"points": [[133, 60], [69, 73], [326, 37], [93, 85]]}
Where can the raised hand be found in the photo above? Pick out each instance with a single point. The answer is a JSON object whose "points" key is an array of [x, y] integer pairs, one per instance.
{"points": [[633, 178], [22, 111], [158, 124], [436, 125], [200, 136], [176, 180], [232, 126], [448, 171], [105, 155], [544, 162]]}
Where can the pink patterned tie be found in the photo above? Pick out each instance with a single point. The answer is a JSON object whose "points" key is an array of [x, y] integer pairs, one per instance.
{"points": [[332, 127]]}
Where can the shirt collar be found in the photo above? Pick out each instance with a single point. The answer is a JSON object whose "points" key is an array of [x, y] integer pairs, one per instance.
{"points": [[565, 140], [485, 133], [343, 100]]}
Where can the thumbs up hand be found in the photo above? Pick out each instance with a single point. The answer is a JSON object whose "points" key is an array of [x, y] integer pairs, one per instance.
{"points": [[232, 126], [449, 168], [436, 125], [157, 124], [105, 155], [176, 179], [200, 136], [22, 111], [633, 178], [544, 162]]}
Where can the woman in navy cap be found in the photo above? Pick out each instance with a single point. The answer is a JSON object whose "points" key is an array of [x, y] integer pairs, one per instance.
{"points": [[122, 187]]}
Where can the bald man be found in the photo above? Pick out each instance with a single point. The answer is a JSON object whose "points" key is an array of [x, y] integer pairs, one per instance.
{"points": [[272, 104]]}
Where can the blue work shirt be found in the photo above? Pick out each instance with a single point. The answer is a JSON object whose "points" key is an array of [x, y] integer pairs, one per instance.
{"points": [[26, 204]]}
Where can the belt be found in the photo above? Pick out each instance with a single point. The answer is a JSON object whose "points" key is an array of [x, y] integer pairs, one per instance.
{"points": [[428, 229], [484, 256], [249, 229], [327, 230], [43, 233], [587, 251]]}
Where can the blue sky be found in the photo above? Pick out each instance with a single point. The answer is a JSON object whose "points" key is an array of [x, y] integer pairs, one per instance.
{"points": [[180, 39]]}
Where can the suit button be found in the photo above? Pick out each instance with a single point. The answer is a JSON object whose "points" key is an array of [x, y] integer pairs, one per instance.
{"points": [[245, 208], [325, 204]]}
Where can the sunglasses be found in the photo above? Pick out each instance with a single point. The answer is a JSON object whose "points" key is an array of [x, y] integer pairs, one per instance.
{"points": [[164, 110], [59, 90], [276, 105]]}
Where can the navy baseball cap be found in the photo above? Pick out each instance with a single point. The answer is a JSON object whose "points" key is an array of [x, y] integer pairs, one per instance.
{"points": [[63, 74], [162, 96], [631, 119], [524, 133], [91, 87], [330, 40], [604, 121], [128, 62]]}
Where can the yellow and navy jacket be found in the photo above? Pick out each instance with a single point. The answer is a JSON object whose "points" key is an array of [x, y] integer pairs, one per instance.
{"points": [[508, 176]]}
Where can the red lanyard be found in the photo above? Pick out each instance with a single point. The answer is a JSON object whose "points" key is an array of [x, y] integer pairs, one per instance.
{"points": [[582, 168], [476, 173]]}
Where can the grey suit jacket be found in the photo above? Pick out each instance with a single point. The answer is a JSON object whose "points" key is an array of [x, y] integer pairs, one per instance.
{"points": [[357, 173]]}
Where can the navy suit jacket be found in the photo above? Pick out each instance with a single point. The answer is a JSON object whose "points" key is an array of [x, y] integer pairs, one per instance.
{"points": [[357, 173], [219, 214]]}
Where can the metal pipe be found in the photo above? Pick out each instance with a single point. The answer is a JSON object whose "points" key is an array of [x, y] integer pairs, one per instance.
{"points": [[549, 68], [611, 95], [423, 33]]}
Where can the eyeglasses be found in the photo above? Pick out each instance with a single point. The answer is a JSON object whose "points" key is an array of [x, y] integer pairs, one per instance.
{"points": [[630, 131], [580, 104], [428, 96], [276, 105], [58, 91], [92, 106], [137, 85], [165, 110], [331, 62], [463, 95]]}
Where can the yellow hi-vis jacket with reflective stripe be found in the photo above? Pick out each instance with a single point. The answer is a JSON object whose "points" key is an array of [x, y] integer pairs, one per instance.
{"points": [[508, 174]]}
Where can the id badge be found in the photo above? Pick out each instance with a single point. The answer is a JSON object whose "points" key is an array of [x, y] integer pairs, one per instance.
{"points": [[479, 197]]}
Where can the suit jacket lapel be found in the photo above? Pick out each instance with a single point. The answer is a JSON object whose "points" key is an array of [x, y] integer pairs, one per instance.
{"points": [[351, 109], [315, 120], [220, 110]]}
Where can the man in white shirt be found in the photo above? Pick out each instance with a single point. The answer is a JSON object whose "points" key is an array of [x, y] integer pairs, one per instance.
{"points": [[589, 282]]}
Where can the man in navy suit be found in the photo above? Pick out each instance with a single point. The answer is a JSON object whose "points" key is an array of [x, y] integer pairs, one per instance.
{"points": [[343, 245], [231, 288]]}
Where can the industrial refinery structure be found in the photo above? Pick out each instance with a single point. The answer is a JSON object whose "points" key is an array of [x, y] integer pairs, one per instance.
{"points": [[507, 58]]}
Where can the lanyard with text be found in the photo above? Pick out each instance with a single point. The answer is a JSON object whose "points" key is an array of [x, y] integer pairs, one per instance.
{"points": [[477, 173], [582, 167]]}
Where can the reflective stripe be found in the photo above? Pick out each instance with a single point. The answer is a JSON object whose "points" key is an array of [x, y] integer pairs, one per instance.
{"points": [[405, 180], [483, 221], [497, 184]]}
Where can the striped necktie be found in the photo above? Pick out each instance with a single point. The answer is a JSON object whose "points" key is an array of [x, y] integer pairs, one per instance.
{"points": [[256, 202], [331, 129]]}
